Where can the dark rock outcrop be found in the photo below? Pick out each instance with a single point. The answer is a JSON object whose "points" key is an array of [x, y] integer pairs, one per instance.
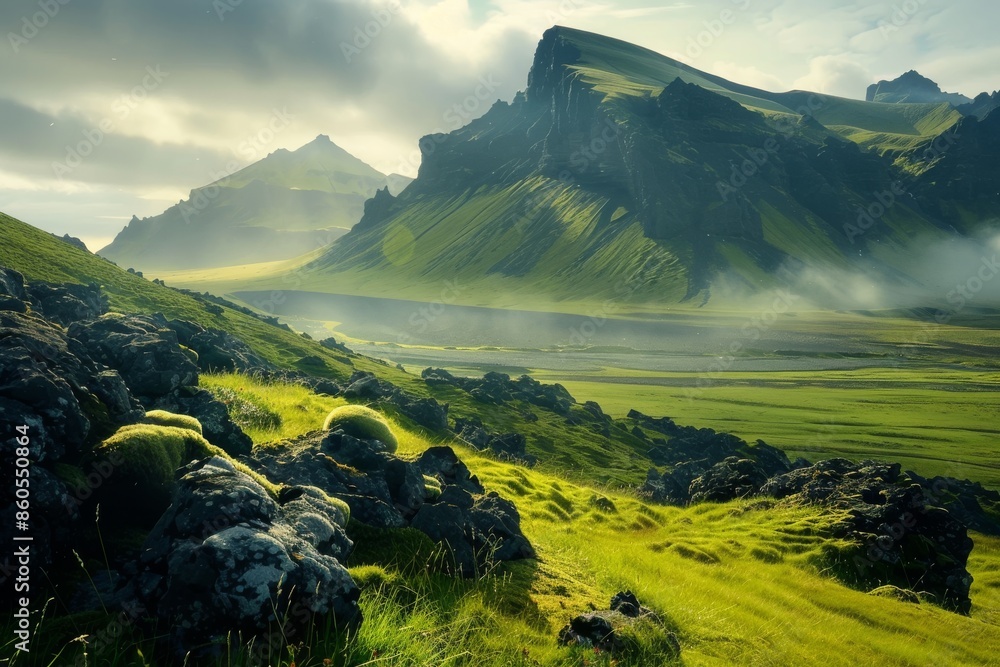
{"points": [[54, 387], [705, 464], [385, 491], [903, 538], [228, 558], [217, 350], [728, 479], [68, 303], [60, 402], [506, 446], [427, 412], [142, 349], [497, 389]]}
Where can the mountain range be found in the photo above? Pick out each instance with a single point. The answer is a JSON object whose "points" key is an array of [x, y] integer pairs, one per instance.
{"points": [[617, 173], [289, 203], [620, 171]]}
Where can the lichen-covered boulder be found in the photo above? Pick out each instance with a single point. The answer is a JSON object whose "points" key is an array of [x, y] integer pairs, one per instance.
{"points": [[228, 558]]}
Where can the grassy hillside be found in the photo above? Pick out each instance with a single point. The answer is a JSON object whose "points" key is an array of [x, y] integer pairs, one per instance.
{"points": [[40, 256], [741, 583]]}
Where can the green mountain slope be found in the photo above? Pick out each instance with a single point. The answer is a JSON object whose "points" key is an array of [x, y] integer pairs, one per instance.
{"points": [[623, 174], [289, 203]]}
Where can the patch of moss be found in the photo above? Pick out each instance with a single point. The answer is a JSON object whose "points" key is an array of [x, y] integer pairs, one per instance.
{"points": [[164, 418], [432, 488], [362, 422], [145, 459], [405, 550]]}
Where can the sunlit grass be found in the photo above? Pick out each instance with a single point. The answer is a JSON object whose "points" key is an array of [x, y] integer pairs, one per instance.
{"points": [[742, 583]]}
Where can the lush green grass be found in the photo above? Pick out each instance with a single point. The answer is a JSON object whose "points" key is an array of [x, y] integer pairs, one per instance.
{"points": [[269, 411], [742, 583], [933, 420]]}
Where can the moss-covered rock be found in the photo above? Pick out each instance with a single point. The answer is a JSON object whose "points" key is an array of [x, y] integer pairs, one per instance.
{"points": [[362, 422], [164, 418], [147, 456]]}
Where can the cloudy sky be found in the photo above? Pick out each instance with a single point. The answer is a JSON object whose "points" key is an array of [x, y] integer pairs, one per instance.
{"points": [[111, 108]]}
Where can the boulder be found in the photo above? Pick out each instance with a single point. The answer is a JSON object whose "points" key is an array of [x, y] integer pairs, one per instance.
{"points": [[217, 426], [365, 386], [217, 350], [442, 462], [12, 293], [226, 559], [385, 491], [68, 303], [56, 389], [626, 630], [506, 446], [142, 349]]}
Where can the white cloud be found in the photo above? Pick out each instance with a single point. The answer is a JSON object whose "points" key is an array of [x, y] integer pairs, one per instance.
{"points": [[835, 75]]}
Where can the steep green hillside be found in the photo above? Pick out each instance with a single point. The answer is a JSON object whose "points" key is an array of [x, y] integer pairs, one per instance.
{"points": [[289, 203]]}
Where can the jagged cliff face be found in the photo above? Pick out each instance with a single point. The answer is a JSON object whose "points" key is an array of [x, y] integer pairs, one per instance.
{"points": [[696, 180]]}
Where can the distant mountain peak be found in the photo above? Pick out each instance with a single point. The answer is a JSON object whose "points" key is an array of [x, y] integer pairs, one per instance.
{"points": [[913, 88]]}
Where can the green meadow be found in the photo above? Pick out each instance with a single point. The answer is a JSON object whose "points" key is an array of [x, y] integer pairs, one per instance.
{"points": [[935, 421]]}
